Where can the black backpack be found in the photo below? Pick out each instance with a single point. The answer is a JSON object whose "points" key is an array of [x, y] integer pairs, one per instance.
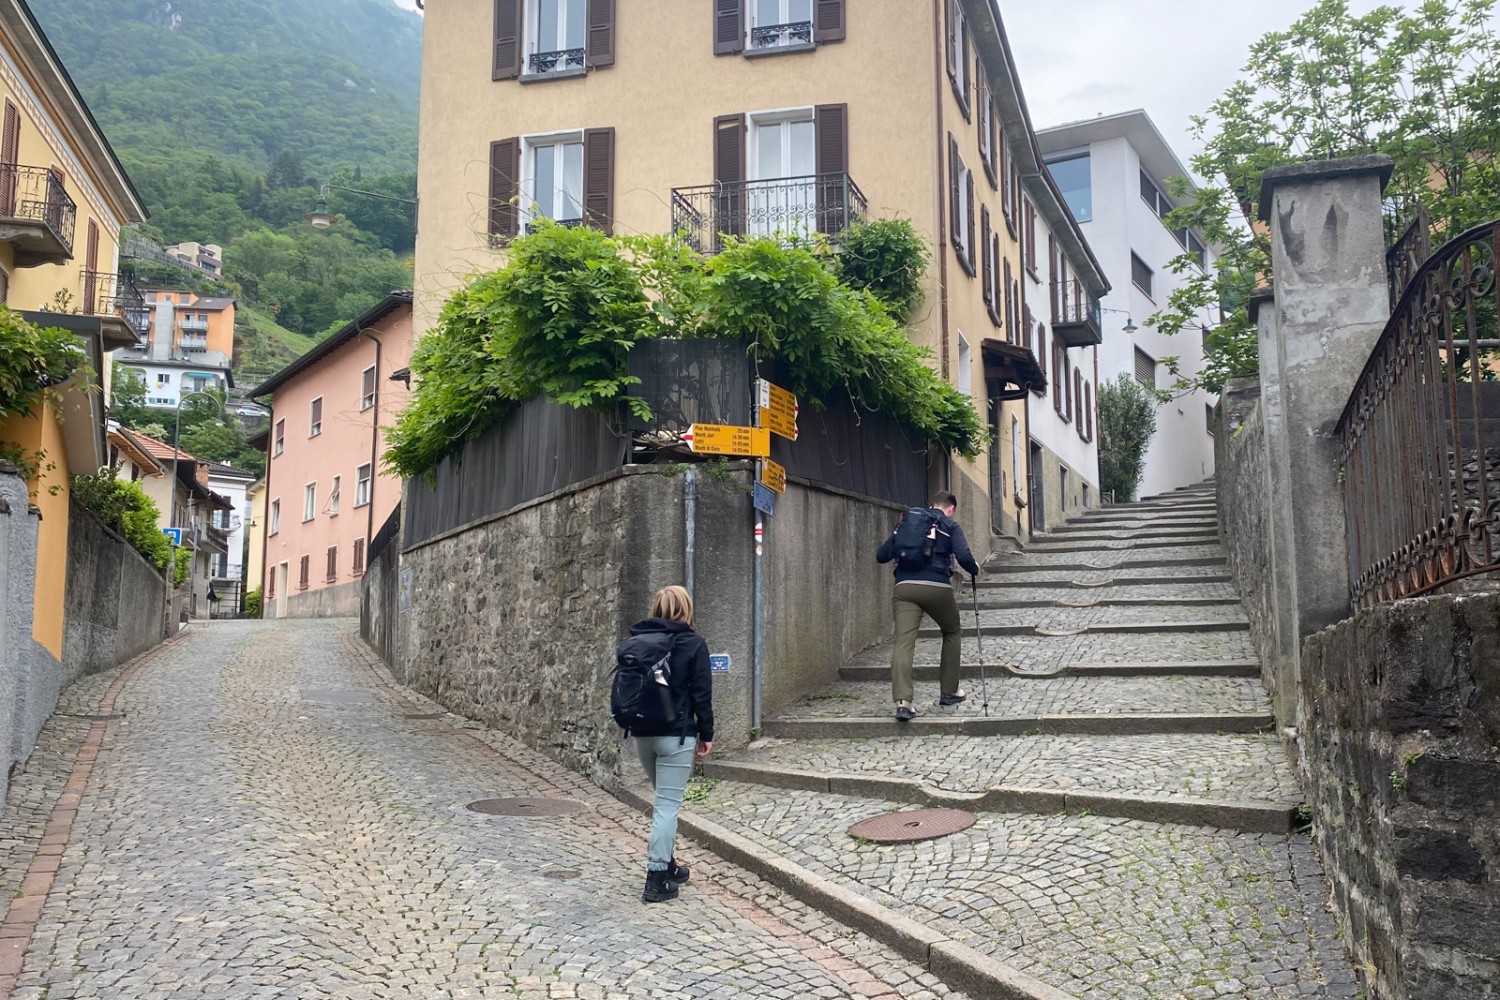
{"points": [[915, 538], [640, 695]]}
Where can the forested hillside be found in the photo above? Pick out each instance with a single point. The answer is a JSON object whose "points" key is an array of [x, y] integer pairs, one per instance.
{"points": [[229, 113]]}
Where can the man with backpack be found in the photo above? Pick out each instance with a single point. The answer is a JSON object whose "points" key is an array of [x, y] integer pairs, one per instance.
{"points": [[923, 547]]}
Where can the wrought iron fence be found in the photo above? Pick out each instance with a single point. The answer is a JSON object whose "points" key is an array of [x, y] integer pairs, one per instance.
{"points": [[787, 206], [772, 35], [560, 59], [1074, 306], [36, 193], [1421, 431], [1405, 255], [106, 294]]}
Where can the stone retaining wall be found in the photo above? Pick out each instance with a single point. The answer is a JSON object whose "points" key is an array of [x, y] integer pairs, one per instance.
{"points": [[115, 600], [1401, 745]]}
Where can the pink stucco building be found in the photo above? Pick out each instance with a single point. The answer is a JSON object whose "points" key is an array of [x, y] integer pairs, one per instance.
{"points": [[326, 495]]}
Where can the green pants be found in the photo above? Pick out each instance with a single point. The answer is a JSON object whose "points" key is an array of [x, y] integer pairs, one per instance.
{"points": [[911, 602]]}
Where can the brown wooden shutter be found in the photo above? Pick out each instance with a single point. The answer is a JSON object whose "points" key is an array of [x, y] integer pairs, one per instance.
{"points": [[505, 187], [599, 42], [1041, 348], [831, 139], [333, 564], [303, 572], [729, 27], [599, 178], [969, 196], [1012, 306], [1077, 400], [948, 28], [90, 269], [10, 151], [507, 39], [987, 261], [729, 175], [828, 21]]}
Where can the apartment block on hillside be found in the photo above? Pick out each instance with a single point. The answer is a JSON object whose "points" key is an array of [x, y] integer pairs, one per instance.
{"points": [[773, 116], [189, 345]]}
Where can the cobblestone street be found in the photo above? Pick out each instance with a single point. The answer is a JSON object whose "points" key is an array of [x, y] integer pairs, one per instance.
{"points": [[265, 819]]}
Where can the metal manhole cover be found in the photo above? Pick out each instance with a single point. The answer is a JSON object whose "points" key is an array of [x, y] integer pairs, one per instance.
{"points": [[562, 873], [525, 807], [910, 827], [426, 715]]}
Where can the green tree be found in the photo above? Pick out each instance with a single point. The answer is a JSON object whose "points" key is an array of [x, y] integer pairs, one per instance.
{"points": [[1418, 85], [128, 406], [1127, 422]]}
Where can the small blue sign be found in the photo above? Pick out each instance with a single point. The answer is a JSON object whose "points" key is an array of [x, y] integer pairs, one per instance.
{"points": [[175, 534], [718, 662], [763, 499]]}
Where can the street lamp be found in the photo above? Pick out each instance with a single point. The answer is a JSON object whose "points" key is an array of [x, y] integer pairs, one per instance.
{"points": [[321, 218], [1130, 326]]}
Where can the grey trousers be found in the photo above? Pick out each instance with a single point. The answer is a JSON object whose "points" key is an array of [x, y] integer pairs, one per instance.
{"points": [[668, 767]]}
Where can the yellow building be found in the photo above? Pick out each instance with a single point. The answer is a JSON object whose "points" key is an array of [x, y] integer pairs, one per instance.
{"points": [[744, 117], [63, 199]]}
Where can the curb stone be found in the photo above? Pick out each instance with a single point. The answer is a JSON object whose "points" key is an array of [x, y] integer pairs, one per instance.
{"points": [[812, 727], [957, 965]]}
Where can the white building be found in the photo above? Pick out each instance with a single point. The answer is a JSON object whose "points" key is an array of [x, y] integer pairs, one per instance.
{"points": [[1112, 171], [232, 484]]}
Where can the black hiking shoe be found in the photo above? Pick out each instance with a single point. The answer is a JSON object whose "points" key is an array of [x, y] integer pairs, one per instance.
{"points": [[659, 887], [904, 711], [954, 698], [677, 874]]}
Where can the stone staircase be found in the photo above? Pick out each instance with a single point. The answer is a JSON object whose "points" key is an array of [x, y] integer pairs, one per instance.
{"points": [[1137, 817]]}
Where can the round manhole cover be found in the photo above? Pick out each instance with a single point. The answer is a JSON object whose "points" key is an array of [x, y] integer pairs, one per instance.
{"points": [[566, 874], [912, 826], [526, 807]]}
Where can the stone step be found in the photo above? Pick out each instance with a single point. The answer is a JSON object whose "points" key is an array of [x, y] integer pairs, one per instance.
{"points": [[1016, 567], [1063, 579], [1202, 668], [1074, 534], [1101, 628], [867, 727], [1046, 653], [1083, 601], [1118, 543], [1160, 516]]}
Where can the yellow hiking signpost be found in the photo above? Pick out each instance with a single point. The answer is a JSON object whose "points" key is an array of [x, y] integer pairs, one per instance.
{"points": [[728, 439], [778, 410], [772, 476]]}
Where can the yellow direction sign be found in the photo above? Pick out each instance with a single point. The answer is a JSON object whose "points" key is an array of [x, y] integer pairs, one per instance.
{"points": [[778, 410], [772, 476], [727, 439]]}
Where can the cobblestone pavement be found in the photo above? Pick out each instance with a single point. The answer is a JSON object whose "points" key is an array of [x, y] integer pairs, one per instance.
{"points": [[1106, 614], [1106, 909], [265, 821], [1034, 652], [1046, 696], [1221, 768]]}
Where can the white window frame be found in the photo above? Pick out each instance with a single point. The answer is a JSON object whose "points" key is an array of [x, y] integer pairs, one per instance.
{"points": [[529, 145], [309, 501], [364, 482], [163, 378], [958, 50], [278, 437], [531, 17], [333, 497], [790, 202], [965, 186], [367, 400], [315, 427], [965, 365], [752, 8], [275, 517]]}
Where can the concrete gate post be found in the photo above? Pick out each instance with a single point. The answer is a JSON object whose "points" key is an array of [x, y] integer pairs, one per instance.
{"points": [[1331, 303]]}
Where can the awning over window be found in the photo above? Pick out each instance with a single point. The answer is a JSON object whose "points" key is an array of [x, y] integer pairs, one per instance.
{"points": [[1010, 370]]}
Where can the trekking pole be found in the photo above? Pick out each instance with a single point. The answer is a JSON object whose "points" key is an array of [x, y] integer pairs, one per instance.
{"points": [[984, 690]]}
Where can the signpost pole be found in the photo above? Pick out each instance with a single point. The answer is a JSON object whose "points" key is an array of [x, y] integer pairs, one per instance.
{"points": [[756, 664]]}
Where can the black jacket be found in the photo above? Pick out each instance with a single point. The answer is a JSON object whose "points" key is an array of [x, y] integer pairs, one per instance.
{"points": [[950, 545], [691, 682]]}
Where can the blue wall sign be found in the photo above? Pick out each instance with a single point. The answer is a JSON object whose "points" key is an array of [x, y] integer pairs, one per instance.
{"points": [[719, 662], [175, 534]]}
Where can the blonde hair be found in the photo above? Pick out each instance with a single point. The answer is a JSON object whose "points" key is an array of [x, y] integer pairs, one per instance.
{"points": [[673, 603]]}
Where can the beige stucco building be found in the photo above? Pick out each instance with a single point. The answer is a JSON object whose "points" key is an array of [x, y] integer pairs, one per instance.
{"points": [[758, 115]]}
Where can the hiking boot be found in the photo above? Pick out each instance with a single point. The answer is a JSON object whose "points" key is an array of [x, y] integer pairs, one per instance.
{"points": [[904, 711], [659, 887], [676, 873], [954, 698]]}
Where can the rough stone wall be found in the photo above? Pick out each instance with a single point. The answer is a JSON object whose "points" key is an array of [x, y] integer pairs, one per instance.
{"points": [[341, 600], [30, 676], [115, 599], [1401, 747], [1244, 522], [514, 619]]}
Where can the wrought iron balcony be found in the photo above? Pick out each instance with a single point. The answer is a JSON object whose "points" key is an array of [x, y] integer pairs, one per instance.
{"points": [[197, 325], [115, 299], [559, 61], [532, 227], [773, 36], [1076, 314], [36, 215], [786, 207]]}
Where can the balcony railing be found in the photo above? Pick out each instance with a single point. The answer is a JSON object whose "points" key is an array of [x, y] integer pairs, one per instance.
{"points": [[1076, 317], [115, 296], [559, 61], [193, 343], [197, 325], [772, 36], [36, 215], [790, 206]]}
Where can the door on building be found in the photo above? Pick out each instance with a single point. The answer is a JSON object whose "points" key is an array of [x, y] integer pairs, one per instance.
{"points": [[1036, 490], [997, 472], [281, 588], [783, 157]]}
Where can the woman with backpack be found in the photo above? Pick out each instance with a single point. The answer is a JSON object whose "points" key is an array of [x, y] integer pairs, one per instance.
{"points": [[663, 698]]}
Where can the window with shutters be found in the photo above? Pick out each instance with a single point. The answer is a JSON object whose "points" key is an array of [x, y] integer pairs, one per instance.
{"points": [[278, 444], [986, 123], [1141, 275], [997, 289], [965, 365], [332, 572], [4, 285], [780, 24], [552, 179], [358, 566], [271, 582], [554, 36], [782, 158], [542, 39], [333, 497], [1088, 410], [987, 264], [567, 177], [309, 502], [275, 518], [1078, 401], [315, 418], [367, 388], [1028, 237], [362, 485], [304, 572], [766, 27], [961, 197], [1041, 350], [1145, 369], [958, 54], [1062, 380]]}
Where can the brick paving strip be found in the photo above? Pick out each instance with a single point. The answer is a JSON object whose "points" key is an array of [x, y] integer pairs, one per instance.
{"points": [[25, 910]]}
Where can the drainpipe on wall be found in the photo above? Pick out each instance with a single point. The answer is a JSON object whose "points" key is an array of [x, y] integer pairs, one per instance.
{"points": [[374, 446]]}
